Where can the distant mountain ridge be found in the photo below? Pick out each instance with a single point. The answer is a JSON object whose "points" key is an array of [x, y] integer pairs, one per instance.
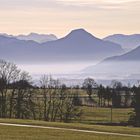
{"points": [[133, 55], [84, 45], [40, 38], [128, 42], [127, 63], [78, 45]]}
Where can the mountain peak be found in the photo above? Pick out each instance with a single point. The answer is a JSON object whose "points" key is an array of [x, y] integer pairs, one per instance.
{"points": [[80, 34], [79, 31]]}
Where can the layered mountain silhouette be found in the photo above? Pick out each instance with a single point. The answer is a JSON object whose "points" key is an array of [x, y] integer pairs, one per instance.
{"points": [[128, 42], [81, 45], [78, 45], [40, 38], [123, 64]]}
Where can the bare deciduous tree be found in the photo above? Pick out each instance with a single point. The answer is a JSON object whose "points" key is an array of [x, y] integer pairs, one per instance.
{"points": [[88, 85], [8, 74]]}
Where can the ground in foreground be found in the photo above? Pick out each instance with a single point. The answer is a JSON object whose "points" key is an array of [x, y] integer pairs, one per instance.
{"points": [[24, 133]]}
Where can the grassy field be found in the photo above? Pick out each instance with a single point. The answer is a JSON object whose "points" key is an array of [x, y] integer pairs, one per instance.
{"points": [[93, 115], [116, 129], [21, 133], [90, 117]]}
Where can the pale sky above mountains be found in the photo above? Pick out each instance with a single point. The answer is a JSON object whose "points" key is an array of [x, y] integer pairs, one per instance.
{"points": [[100, 17]]}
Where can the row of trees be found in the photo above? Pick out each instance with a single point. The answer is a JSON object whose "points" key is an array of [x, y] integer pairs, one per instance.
{"points": [[10, 76], [59, 102], [115, 95], [53, 101], [19, 99], [135, 115]]}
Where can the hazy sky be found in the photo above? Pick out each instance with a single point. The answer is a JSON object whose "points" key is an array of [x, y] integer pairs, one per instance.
{"points": [[100, 17]]}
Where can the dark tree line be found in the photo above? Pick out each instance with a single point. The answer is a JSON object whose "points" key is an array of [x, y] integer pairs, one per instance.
{"points": [[19, 99], [135, 115], [53, 101], [115, 95], [58, 102]]}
